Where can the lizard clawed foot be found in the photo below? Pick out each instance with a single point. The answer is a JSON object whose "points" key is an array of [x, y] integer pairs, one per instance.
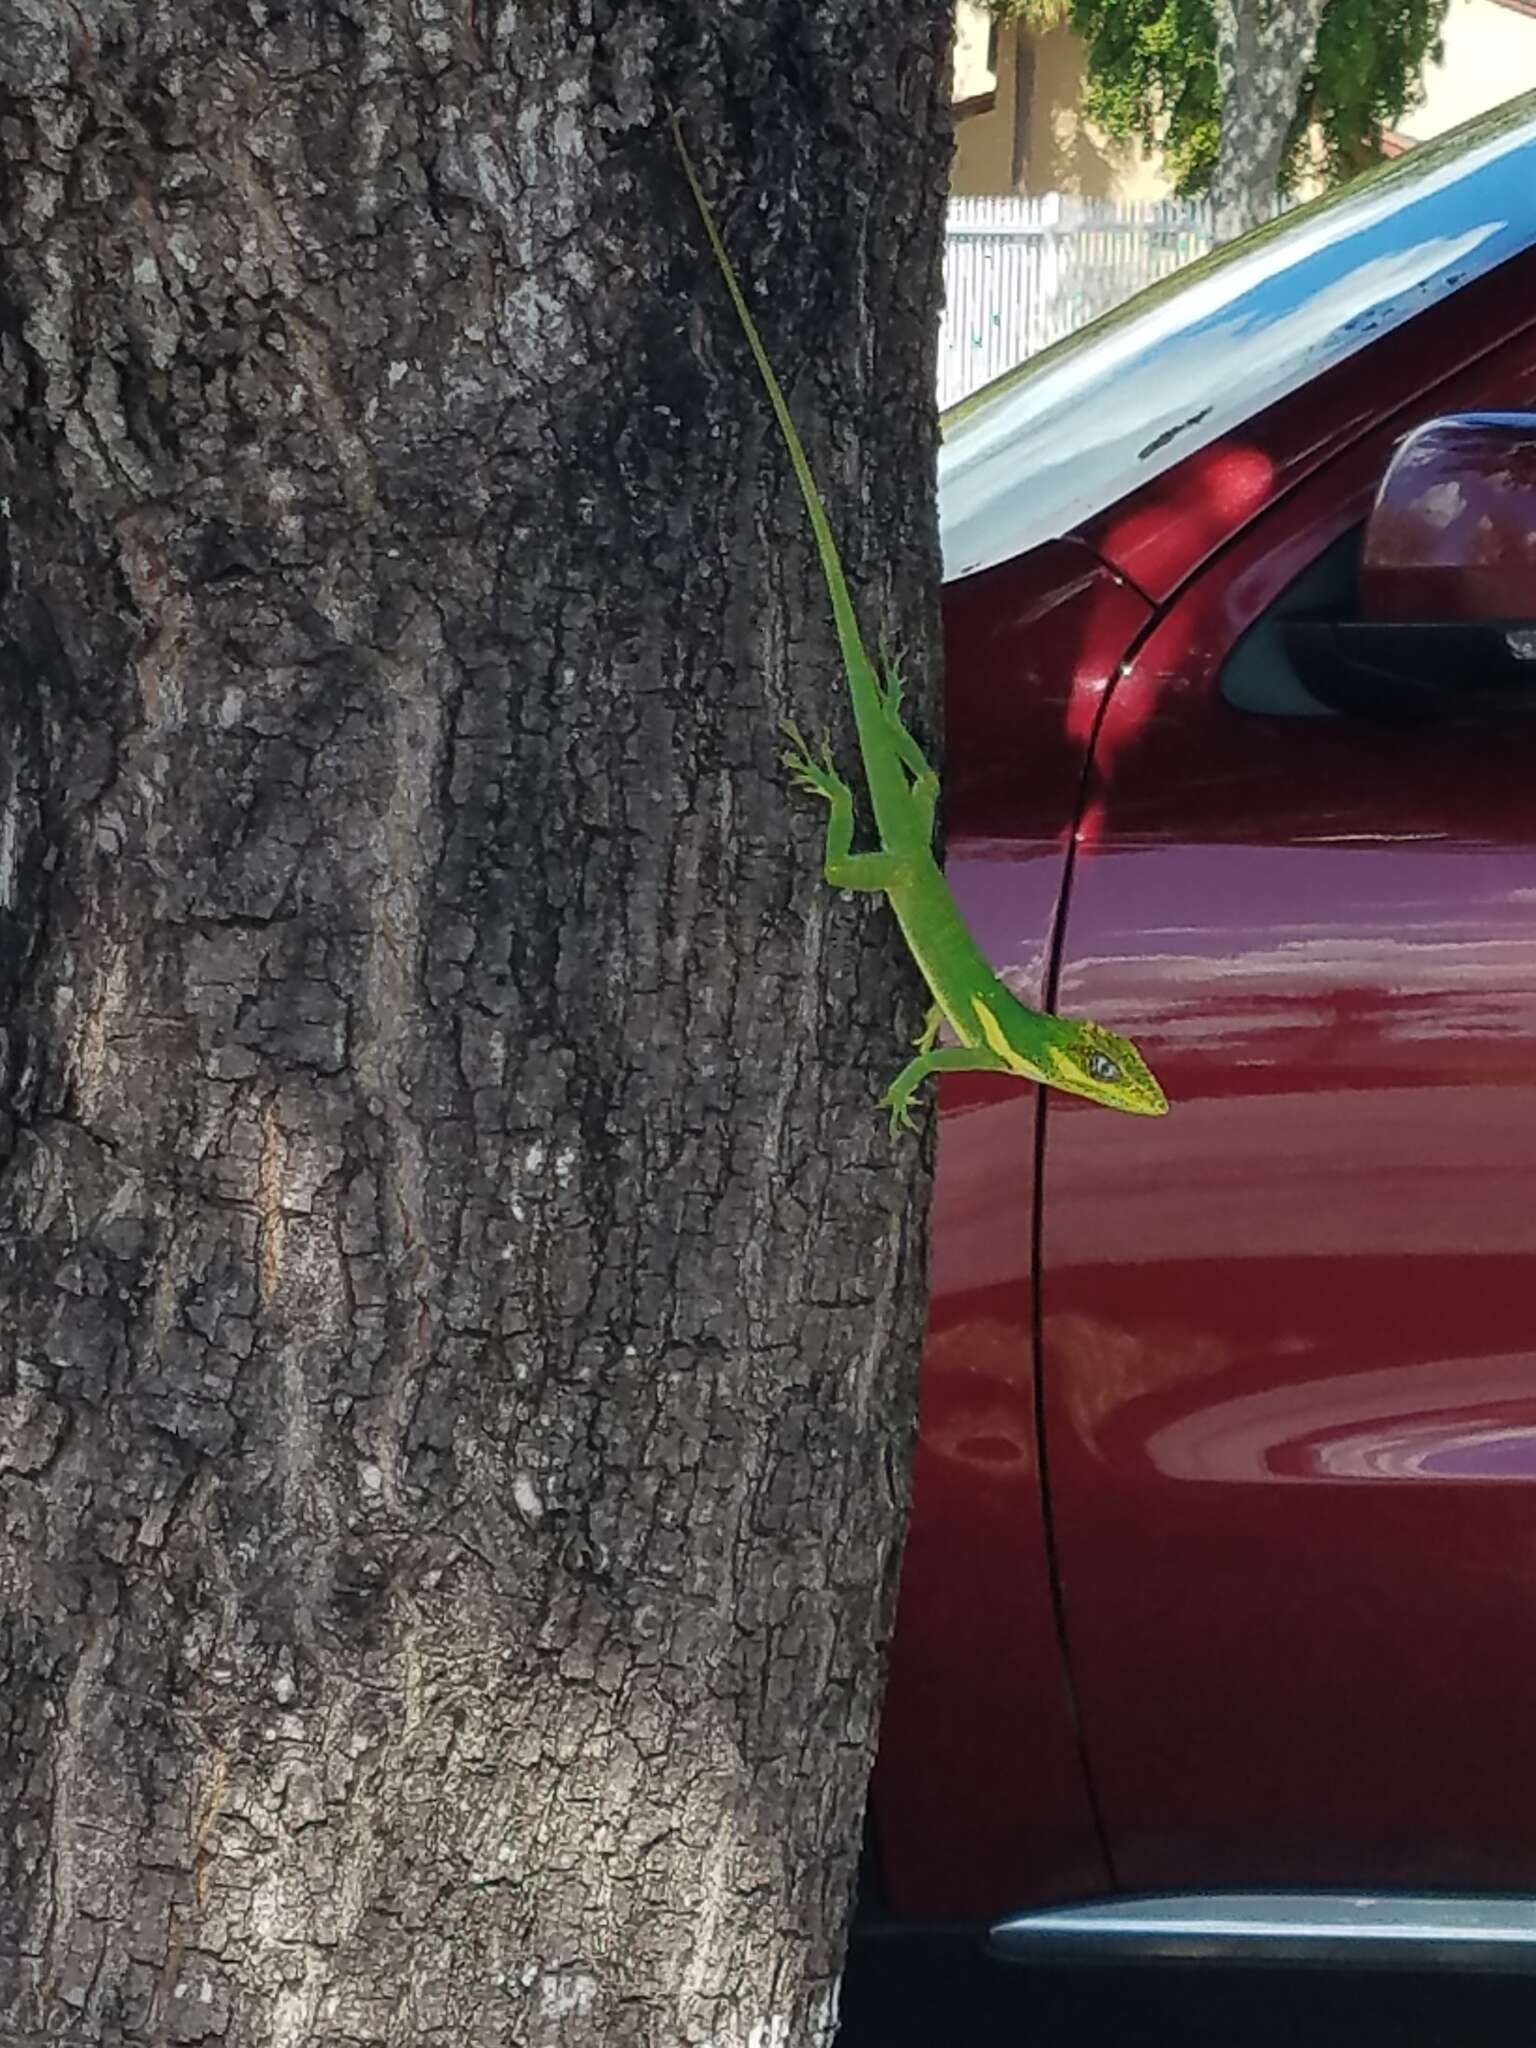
{"points": [[888, 680], [810, 771], [898, 1101]]}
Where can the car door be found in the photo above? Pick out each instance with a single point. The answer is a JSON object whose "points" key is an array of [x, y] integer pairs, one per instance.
{"points": [[1288, 1333]]}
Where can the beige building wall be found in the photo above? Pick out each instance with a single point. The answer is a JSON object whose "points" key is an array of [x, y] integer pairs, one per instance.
{"points": [[985, 87], [1490, 55], [972, 74], [1023, 132]]}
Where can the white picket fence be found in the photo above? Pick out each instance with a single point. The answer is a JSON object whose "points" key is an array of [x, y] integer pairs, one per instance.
{"points": [[1020, 273]]}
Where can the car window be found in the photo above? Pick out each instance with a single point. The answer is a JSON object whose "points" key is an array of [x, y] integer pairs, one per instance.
{"points": [[1261, 673]]}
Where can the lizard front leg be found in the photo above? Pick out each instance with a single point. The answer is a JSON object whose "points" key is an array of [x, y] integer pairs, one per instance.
{"points": [[944, 1059], [843, 868]]}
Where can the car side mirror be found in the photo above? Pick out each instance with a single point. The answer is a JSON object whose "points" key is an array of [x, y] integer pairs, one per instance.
{"points": [[1447, 578]]}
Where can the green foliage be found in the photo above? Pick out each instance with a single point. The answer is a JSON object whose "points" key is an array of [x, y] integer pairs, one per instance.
{"points": [[1369, 56], [1152, 74]]}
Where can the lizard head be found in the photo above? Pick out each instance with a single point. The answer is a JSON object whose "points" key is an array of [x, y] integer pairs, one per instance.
{"points": [[1069, 1052], [1089, 1060]]}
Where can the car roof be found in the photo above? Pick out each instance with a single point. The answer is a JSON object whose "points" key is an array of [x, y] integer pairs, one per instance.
{"points": [[1033, 455]]}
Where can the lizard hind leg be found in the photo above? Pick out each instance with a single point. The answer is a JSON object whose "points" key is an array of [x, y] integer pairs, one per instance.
{"points": [[925, 782], [842, 867]]}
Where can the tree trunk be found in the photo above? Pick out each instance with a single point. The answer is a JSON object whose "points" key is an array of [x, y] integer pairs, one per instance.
{"points": [[459, 1307], [1263, 50]]}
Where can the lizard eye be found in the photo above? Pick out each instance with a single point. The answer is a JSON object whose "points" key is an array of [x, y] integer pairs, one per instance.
{"points": [[1102, 1067]]}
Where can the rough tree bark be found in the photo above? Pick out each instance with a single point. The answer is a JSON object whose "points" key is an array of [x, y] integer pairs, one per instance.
{"points": [[458, 1307], [1263, 49]]}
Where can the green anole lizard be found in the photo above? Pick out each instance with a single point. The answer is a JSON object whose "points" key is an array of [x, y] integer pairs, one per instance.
{"points": [[995, 1032]]}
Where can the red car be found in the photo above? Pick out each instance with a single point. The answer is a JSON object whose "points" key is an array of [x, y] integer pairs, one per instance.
{"points": [[1221, 1585]]}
